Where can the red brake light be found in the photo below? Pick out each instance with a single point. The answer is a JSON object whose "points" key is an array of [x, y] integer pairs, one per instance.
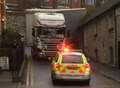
{"points": [[87, 65], [59, 68], [85, 68]]}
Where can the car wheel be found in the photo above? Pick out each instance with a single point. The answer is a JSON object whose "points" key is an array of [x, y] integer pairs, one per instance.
{"points": [[54, 80], [87, 82]]}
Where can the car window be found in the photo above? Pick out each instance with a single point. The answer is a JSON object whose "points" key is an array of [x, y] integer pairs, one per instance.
{"points": [[72, 59]]}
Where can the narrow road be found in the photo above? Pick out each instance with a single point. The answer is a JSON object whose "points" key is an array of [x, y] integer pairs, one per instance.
{"points": [[41, 78]]}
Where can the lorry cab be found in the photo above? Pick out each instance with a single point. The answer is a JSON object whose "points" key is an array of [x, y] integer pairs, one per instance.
{"points": [[50, 29]]}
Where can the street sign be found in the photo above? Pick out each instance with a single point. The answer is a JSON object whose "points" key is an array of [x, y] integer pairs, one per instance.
{"points": [[4, 63]]}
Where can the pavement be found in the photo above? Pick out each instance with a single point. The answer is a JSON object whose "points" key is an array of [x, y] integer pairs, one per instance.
{"points": [[107, 71], [6, 80]]}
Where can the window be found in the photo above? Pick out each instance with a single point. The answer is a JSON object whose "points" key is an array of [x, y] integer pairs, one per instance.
{"points": [[96, 54], [89, 2], [95, 35], [63, 3], [110, 30], [72, 59], [103, 1], [110, 21], [76, 1], [46, 0], [111, 54]]}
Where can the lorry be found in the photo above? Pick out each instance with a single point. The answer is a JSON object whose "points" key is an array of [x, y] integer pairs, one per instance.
{"points": [[48, 30]]}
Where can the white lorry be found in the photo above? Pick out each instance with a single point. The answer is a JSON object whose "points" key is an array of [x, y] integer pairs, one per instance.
{"points": [[48, 29]]}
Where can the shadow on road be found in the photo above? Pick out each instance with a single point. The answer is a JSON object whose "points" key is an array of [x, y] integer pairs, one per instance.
{"points": [[67, 83]]}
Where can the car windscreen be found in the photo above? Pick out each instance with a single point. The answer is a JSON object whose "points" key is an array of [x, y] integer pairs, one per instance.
{"points": [[72, 59]]}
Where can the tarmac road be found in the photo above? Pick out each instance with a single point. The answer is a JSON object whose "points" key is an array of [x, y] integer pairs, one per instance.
{"points": [[41, 78]]}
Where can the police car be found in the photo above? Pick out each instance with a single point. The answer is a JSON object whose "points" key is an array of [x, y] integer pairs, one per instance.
{"points": [[70, 66]]}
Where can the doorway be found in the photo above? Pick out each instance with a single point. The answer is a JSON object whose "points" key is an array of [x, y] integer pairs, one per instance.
{"points": [[111, 55]]}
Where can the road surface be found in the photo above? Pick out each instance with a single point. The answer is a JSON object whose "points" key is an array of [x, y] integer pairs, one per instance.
{"points": [[41, 78]]}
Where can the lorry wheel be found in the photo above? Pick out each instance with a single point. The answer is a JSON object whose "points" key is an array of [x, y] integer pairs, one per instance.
{"points": [[34, 57]]}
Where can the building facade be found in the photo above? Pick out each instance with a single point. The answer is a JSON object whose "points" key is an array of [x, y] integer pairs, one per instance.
{"points": [[23, 4], [12, 5], [11, 1], [102, 35], [51, 3], [2, 15]]}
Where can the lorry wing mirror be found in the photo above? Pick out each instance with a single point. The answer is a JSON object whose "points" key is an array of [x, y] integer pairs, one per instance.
{"points": [[33, 32], [88, 59]]}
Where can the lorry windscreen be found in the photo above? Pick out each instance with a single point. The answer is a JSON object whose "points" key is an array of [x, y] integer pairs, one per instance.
{"points": [[50, 33]]}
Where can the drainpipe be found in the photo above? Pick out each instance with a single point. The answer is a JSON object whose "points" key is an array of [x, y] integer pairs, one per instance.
{"points": [[115, 23]]}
